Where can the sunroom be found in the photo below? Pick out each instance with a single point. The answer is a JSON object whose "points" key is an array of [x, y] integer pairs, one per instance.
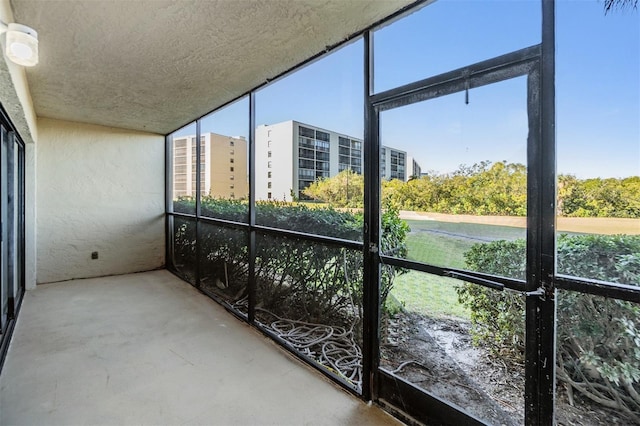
{"points": [[320, 212]]}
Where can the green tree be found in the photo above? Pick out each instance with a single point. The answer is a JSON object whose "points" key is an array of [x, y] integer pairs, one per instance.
{"points": [[346, 189], [599, 197], [485, 188]]}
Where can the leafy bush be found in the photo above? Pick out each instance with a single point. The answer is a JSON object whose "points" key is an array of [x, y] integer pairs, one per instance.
{"points": [[497, 317], [598, 339], [297, 278], [394, 242], [185, 205]]}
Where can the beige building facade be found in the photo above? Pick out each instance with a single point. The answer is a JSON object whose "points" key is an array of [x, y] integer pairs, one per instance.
{"points": [[223, 166]]}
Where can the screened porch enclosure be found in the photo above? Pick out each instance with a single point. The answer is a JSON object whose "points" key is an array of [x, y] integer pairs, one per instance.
{"points": [[431, 291], [374, 212]]}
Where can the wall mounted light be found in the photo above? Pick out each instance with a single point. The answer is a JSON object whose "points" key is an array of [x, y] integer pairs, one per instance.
{"points": [[21, 44]]}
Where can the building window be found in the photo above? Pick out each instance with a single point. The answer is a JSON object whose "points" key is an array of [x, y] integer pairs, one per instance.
{"points": [[322, 145], [231, 178], [230, 169], [231, 152], [323, 136], [269, 185], [269, 195], [232, 195], [306, 132], [269, 154], [269, 165], [269, 142], [231, 143], [306, 164], [231, 160], [306, 153], [269, 175], [231, 186]]}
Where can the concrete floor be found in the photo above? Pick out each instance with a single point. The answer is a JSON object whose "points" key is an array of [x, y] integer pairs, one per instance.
{"points": [[149, 349]]}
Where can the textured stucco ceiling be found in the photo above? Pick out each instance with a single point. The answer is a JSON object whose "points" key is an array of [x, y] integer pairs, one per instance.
{"points": [[154, 65]]}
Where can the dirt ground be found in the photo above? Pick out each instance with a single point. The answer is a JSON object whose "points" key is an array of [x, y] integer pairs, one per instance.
{"points": [[438, 355]]}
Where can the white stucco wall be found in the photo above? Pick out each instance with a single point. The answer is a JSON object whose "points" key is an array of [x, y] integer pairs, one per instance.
{"points": [[99, 189]]}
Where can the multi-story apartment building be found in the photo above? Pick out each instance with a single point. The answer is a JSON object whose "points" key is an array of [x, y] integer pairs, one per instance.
{"points": [[291, 155], [415, 171], [393, 163], [223, 166]]}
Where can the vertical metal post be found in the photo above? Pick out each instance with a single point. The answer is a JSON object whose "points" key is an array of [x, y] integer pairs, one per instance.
{"points": [[168, 199], [252, 209], [198, 186], [21, 215], [371, 273], [533, 250], [541, 201], [547, 305]]}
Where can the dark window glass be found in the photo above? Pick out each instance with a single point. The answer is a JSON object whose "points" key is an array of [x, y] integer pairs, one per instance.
{"points": [[306, 132]]}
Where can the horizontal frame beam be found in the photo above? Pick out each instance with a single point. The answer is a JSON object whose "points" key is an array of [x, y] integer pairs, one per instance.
{"points": [[627, 292], [494, 70], [399, 393], [356, 245], [471, 276]]}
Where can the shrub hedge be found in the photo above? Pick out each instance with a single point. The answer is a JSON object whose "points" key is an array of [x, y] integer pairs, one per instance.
{"points": [[297, 278], [598, 339]]}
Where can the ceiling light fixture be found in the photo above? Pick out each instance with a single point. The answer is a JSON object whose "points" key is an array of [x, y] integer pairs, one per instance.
{"points": [[21, 44]]}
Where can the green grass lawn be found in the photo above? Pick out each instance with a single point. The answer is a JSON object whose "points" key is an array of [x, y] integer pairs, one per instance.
{"points": [[442, 244], [428, 295], [471, 230], [439, 250]]}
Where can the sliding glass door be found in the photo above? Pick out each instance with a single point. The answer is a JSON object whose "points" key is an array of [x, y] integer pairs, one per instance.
{"points": [[5, 292], [11, 230]]}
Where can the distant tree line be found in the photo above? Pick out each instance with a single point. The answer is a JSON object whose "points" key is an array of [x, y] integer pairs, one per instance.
{"points": [[486, 188], [599, 197]]}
